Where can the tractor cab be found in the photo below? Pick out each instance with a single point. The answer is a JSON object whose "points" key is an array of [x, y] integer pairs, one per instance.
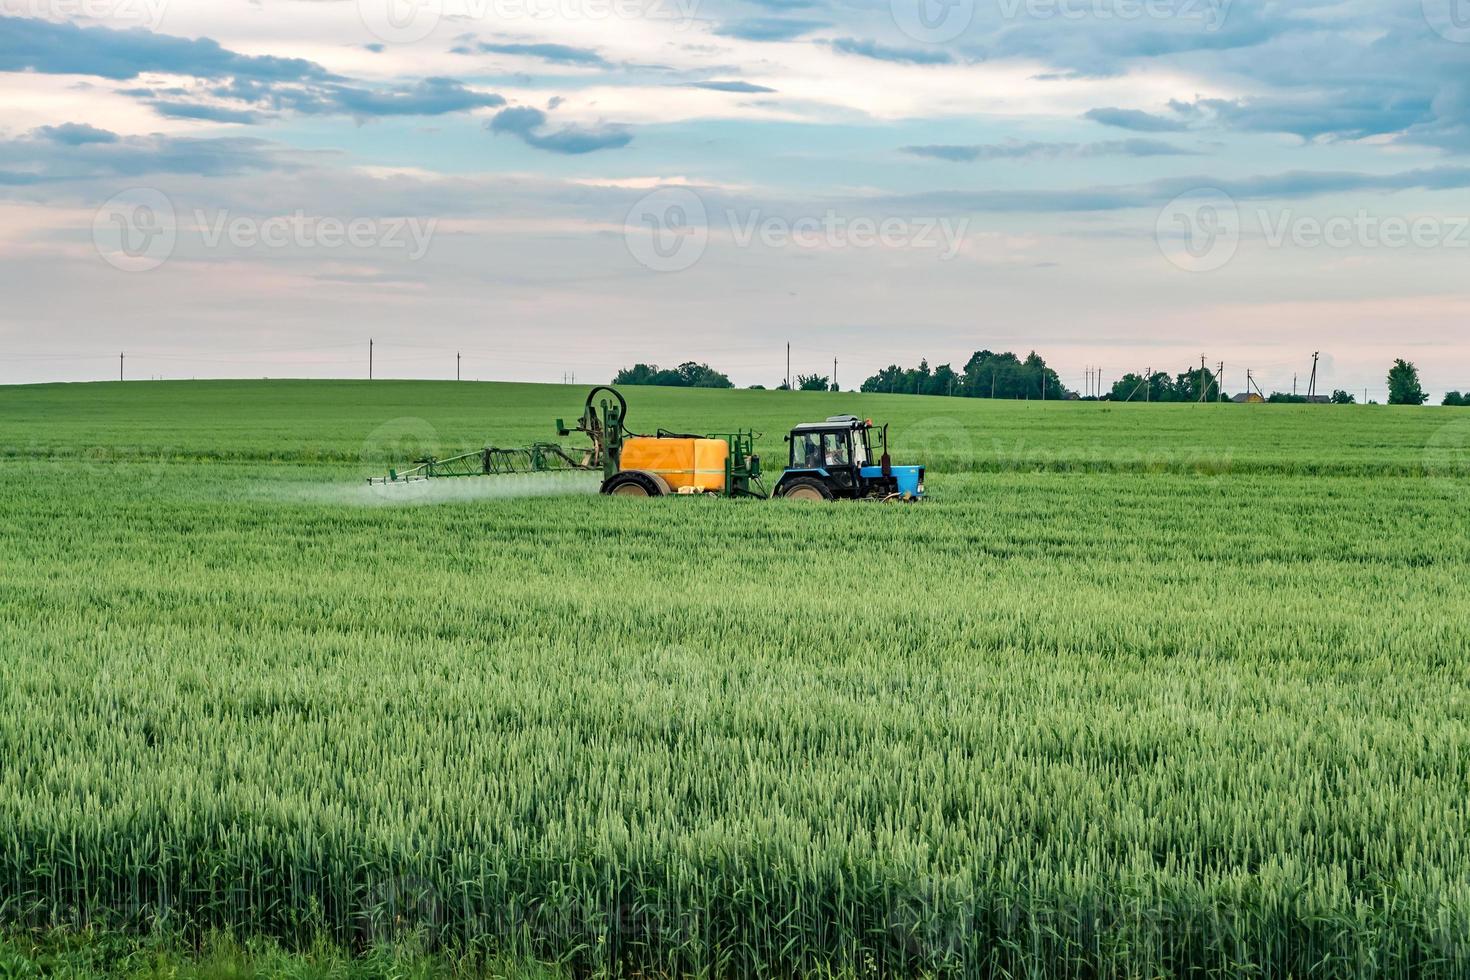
{"points": [[838, 458]]}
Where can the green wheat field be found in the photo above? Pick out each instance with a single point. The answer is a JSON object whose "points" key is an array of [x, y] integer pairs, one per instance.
{"points": [[1142, 691]]}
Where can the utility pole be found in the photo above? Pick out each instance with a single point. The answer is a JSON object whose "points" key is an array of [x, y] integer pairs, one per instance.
{"points": [[788, 365], [1220, 383], [370, 358], [1293, 385], [1043, 385], [1312, 387], [834, 375], [1148, 385], [1204, 389], [456, 365], [992, 384], [120, 368]]}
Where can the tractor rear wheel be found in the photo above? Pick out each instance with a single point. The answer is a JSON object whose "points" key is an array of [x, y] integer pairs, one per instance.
{"points": [[806, 488], [635, 483]]}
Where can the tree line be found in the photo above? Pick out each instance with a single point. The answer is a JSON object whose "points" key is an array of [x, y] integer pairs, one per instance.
{"points": [[990, 375], [985, 375]]}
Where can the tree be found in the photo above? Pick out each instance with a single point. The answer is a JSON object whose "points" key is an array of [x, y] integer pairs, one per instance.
{"points": [[1158, 387], [812, 382], [686, 375], [1192, 383], [1403, 384], [1340, 397], [1456, 399], [985, 375]]}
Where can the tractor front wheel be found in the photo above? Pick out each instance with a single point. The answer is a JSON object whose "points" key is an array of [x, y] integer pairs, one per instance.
{"points": [[806, 488]]}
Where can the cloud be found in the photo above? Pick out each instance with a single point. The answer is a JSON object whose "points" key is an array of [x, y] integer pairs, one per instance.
{"points": [[526, 123], [73, 151], [1291, 185], [561, 54], [75, 134], [28, 44], [208, 113], [262, 83], [428, 97], [768, 29], [1135, 119], [882, 52], [740, 87], [1035, 150]]}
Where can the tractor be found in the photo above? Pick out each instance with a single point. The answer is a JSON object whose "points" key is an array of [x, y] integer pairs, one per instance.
{"points": [[834, 460], [829, 460]]}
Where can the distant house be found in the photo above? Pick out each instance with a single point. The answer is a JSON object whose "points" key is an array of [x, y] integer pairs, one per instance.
{"points": [[1248, 398], [1319, 399]]}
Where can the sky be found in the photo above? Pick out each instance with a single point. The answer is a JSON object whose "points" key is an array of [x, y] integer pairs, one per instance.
{"points": [[559, 188]]}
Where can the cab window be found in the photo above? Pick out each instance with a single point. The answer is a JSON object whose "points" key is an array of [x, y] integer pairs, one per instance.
{"points": [[806, 451], [835, 449]]}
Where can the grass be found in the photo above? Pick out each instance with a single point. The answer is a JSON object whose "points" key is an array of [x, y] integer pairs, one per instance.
{"points": [[1103, 712]]}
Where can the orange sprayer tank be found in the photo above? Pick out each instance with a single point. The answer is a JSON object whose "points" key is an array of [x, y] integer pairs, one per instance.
{"points": [[697, 463]]}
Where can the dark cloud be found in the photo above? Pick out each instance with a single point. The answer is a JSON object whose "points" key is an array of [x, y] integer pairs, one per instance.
{"points": [[1136, 120], [882, 52], [263, 84], [561, 54], [208, 113], [75, 134], [1292, 185], [73, 151], [528, 124], [28, 44], [768, 29], [1035, 150], [739, 87]]}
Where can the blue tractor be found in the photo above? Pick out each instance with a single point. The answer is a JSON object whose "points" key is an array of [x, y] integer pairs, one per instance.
{"points": [[835, 459]]}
